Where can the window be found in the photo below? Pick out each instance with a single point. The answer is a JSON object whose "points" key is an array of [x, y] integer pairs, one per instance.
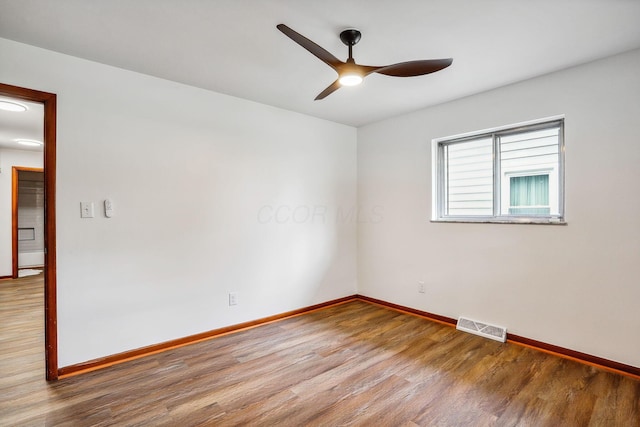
{"points": [[529, 195], [510, 174]]}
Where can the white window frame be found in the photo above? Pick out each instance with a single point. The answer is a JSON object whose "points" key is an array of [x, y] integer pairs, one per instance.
{"points": [[501, 205]]}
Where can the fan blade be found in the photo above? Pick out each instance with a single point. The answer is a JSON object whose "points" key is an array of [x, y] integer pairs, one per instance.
{"points": [[414, 68], [316, 50], [328, 91], [365, 70]]}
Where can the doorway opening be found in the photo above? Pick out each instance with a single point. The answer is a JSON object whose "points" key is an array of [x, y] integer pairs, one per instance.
{"points": [[27, 220], [48, 100]]}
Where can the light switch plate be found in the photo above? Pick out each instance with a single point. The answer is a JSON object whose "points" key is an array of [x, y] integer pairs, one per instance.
{"points": [[86, 210]]}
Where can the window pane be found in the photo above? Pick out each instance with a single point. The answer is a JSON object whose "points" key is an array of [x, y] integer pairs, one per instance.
{"points": [[529, 150], [529, 172], [469, 177]]}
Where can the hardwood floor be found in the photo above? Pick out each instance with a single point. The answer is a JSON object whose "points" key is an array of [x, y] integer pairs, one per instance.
{"points": [[351, 364]]}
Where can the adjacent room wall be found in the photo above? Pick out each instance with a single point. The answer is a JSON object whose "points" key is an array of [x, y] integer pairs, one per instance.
{"points": [[30, 219], [8, 159], [576, 286], [211, 194]]}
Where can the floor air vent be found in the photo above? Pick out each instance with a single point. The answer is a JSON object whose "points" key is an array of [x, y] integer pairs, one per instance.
{"points": [[493, 332]]}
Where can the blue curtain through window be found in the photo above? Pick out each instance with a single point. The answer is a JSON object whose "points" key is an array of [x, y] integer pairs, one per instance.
{"points": [[529, 195]]}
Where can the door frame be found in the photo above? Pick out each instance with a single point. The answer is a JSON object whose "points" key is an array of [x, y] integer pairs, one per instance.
{"points": [[15, 179], [49, 100]]}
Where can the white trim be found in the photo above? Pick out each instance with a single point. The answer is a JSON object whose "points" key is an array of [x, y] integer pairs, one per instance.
{"points": [[503, 220], [435, 180], [514, 127]]}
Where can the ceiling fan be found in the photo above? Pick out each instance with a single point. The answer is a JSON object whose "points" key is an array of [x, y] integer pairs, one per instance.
{"points": [[350, 73]]}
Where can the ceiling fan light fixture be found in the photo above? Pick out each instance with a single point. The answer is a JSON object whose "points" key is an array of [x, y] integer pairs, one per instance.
{"points": [[350, 79], [29, 142], [12, 106]]}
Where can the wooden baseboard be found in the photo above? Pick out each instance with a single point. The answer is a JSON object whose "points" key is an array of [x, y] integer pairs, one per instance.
{"points": [[435, 317], [103, 362], [599, 362], [567, 353]]}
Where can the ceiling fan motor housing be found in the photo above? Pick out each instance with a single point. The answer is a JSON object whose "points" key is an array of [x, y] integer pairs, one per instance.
{"points": [[350, 36]]}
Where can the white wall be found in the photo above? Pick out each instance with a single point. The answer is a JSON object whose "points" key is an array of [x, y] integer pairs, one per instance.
{"points": [[193, 176], [8, 159], [215, 194], [575, 286]]}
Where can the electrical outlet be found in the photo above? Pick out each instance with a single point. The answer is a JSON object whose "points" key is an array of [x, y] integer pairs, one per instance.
{"points": [[421, 287], [233, 298]]}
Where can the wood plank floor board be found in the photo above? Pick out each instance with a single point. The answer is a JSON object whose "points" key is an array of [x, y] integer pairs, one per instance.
{"points": [[355, 364]]}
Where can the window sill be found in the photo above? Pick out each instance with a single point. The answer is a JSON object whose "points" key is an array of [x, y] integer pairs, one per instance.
{"points": [[534, 221]]}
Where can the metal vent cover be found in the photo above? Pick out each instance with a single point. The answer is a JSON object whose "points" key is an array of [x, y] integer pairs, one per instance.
{"points": [[475, 327]]}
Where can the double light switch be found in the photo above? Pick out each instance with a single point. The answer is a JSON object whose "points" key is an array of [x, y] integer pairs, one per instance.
{"points": [[87, 209]]}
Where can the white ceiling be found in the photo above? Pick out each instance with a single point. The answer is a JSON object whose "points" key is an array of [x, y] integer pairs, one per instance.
{"points": [[21, 125], [233, 46]]}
